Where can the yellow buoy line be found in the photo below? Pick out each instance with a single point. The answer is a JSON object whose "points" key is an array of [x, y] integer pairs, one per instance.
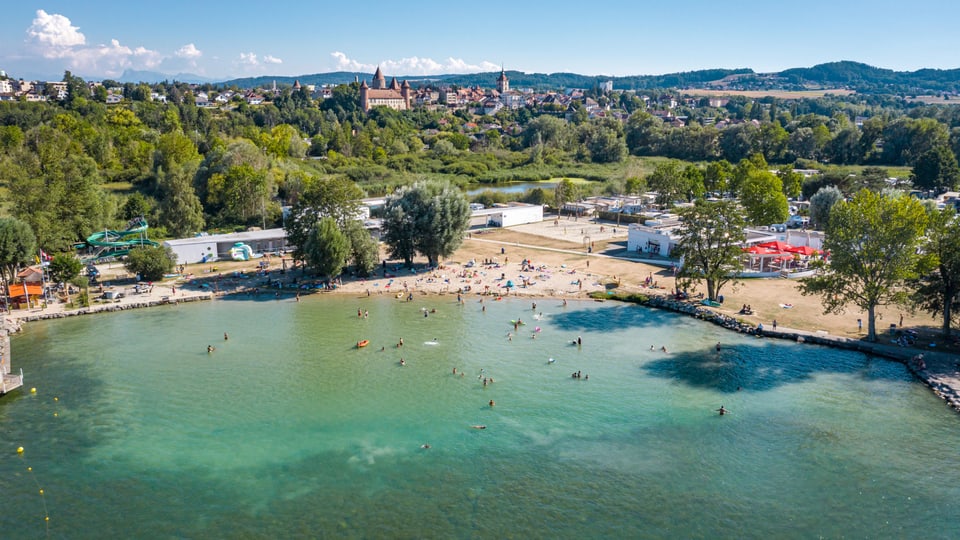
{"points": [[36, 482]]}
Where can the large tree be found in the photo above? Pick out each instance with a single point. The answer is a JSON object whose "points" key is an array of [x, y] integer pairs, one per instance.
{"points": [[150, 262], [761, 194], [335, 197], [938, 293], [18, 246], [668, 180], [427, 217], [364, 249], [326, 248], [872, 241], [936, 169], [711, 236], [821, 203]]}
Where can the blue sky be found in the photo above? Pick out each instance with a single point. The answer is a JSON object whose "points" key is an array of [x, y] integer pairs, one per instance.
{"points": [[99, 38]]}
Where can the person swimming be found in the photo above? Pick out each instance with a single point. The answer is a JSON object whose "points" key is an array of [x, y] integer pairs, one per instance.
{"points": [[479, 426], [225, 336], [402, 362], [425, 446], [722, 410], [210, 348], [718, 346]]}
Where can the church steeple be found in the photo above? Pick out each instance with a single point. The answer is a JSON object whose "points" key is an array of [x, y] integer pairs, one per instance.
{"points": [[503, 85]]}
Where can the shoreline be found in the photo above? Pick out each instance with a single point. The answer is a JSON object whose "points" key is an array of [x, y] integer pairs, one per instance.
{"points": [[543, 271]]}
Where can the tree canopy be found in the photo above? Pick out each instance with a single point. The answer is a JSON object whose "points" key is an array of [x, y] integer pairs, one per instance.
{"points": [[711, 236], [427, 217], [872, 241]]}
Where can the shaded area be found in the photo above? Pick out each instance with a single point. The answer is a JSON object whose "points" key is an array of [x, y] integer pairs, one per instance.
{"points": [[765, 364], [614, 318]]}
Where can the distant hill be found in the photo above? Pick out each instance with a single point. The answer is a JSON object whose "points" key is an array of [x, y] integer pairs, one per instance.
{"points": [[518, 79], [855, 76], [868, 79], [153, 77]]}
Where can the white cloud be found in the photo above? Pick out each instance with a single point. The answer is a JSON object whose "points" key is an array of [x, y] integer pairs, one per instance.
{"points": [[249, 59], [413, 65], [54, 34], [189, 51], [269, 59]]}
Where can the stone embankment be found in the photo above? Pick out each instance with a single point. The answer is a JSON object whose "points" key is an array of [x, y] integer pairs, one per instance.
{"points": [[937, 377], [109, 308]]}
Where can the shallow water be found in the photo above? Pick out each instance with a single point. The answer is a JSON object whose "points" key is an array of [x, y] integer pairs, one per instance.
{"points": [[287, 430]]}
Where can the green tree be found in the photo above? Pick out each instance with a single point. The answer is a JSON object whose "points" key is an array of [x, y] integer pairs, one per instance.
{"points": [[180, 209], [364, 249], [64, 268], [336, 197], [761, 195], [668, 181], [136, 205], [717, 176], [150, 262], [326, 248], [821, 203], [936, 169], [792, 181], [711, 235], [938, 293], [565, 192], [18, 246], [873, 242], [427, 217]]}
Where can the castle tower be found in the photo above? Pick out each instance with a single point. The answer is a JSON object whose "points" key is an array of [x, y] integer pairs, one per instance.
{"points": [[405, 93], [364, 99], [379, 81], [394, 85], [503, 85]]}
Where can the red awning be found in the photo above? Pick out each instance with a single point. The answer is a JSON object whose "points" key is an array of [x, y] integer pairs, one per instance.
{"points": [[777, 245]]}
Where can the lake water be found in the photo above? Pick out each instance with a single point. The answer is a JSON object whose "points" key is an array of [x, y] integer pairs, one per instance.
{"points": [[514, 187], [288, 431]]}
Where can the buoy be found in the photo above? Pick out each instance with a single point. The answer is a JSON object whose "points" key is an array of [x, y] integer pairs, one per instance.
{"points": [[41, 491], [46, 518], [55, 414], [33, 390], [20, 450], [29, 469], [56, 399]]}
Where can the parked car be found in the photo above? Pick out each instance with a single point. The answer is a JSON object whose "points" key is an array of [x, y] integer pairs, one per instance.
{"points": [[795, 221]]}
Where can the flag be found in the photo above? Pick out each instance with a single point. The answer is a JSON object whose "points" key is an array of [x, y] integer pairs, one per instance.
{"points": [[44, 256]]}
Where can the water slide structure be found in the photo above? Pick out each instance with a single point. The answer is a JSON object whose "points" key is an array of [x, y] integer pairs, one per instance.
{"points": [[115, 244]]}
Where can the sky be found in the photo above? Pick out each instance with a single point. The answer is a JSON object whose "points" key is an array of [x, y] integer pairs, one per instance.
{"points": [[99, 39]]}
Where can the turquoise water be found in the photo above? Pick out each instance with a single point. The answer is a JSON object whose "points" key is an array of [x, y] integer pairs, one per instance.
{"points": [[287, 430]]}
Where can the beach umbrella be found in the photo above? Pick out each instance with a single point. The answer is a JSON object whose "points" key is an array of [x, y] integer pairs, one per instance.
{"points": [[509, 283]]}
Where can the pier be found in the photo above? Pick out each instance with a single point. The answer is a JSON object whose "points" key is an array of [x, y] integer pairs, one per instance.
{"points": [[8, 381]]}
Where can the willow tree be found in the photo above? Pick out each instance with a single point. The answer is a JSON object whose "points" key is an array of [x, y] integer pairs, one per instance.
{"points": [[427, 217], [711, 236], [872, 241]]}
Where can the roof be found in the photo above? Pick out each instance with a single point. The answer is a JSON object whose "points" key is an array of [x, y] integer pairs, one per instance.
{"points": [[28, 271], [383, 93], [246, 236], [16, 291]]}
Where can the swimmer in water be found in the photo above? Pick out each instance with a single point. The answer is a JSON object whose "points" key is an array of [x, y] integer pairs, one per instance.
{"points": [[425, 446], [722, 410], [479, 426], [225, 336], [718, 346], [210, 349], [492, 403], [402, 362]]}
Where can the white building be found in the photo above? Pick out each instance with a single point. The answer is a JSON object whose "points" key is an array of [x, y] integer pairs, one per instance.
{"points": [[202, 249], [655, 236], [507, 216]]}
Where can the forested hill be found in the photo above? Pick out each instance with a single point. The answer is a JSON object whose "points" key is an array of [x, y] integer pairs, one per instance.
{"points": [[539, 81], [868, 79], [856, 76]]}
